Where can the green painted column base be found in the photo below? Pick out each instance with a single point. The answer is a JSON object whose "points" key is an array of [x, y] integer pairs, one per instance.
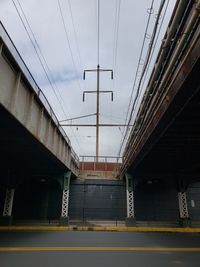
{"points": [[185, 222], [6, 220], [64, 221], [130, 221]]}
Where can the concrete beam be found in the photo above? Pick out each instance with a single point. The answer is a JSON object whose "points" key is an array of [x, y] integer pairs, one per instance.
{"points": [[21, 97]]}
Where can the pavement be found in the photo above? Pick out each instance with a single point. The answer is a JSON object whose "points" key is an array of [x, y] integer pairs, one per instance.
{"points": [[30, 248]]}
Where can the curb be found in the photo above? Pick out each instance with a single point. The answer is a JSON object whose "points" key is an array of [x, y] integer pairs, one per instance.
{"points": [[98, 228]]}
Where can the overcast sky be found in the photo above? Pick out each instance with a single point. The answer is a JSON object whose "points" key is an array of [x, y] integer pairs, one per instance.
{"points": [[71, 49]]}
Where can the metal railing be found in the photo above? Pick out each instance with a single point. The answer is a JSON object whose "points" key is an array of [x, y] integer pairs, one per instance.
{"points": [[12, 50], [75, 156], [103, 164], [108, 159]]}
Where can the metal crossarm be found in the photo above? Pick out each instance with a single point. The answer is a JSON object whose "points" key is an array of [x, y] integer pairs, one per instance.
{"points": [[91, 92], [97, 92]]}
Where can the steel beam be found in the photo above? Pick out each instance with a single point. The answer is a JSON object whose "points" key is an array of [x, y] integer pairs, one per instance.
{"points": [[65, 199], [130, 219]]}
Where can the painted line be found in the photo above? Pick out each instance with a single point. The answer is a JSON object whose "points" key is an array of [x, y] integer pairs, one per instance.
{"points": [[23, 249], [34, 228], [99, 228]]}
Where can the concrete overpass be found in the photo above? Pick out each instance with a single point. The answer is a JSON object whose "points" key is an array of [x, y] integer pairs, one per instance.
{"points": [[161, 166], [160, 161], [163, 150], [34, 148]]}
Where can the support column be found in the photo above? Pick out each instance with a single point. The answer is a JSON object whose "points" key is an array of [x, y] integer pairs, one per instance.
{"points": [[64, 219], [184, 219], [8, 204], [183, 209], [130, 219]]}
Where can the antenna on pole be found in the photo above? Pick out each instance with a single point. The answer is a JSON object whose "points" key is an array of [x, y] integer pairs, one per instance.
{"points": [[97, 92]]}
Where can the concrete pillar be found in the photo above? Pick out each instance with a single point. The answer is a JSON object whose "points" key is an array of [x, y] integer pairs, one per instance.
{"points": [[6, 219], [130, 219], [64, 219]]}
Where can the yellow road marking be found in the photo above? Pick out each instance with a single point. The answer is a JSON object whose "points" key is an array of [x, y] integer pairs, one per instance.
{"points": [[34, 228], [99, 228], [174, 249]]}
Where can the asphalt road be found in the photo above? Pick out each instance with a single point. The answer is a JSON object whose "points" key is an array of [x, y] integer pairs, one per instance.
{"points": [[95, 249]]}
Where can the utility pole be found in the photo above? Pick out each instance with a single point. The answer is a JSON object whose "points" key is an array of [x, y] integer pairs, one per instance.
{"points": [[98, 70]]}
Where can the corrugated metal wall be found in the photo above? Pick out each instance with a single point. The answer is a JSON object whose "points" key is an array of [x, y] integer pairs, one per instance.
{"points": [[193, 199], [97, 200], [2, 198], [156, 201], [36, 200]]}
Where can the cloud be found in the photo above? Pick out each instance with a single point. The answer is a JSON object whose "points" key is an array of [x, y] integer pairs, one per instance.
{"points": [[46, 23]]}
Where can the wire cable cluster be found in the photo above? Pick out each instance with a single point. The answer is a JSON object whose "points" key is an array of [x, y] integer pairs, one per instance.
{"points": [[41, 58], [145, 64]]}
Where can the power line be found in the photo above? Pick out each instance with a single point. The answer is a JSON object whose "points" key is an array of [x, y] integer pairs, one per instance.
{"points": [[67, 38], [158, 34], [98, 30], [75, 33], [35, 45], [76, 38], [116, 33], [149, 52], [136, 75], [37, 48], [116, 37], [56, 92], [109, 118]]}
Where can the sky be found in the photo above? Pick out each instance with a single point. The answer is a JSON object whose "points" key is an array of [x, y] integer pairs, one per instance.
{"points": [[66, 37]]}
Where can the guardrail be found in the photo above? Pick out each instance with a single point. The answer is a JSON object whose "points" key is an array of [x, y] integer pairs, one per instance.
{"points": [[75, 156], [110, 159], [12, 50], [103, 164]]}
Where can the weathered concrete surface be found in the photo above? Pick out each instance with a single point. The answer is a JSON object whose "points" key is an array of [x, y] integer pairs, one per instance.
{"points": [[86, 174], [22, 98]]}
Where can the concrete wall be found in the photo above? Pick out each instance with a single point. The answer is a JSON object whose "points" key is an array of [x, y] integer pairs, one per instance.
{"points": [[101, 170]]}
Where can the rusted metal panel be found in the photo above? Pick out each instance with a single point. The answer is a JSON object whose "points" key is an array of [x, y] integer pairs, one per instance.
{"points": [[99, 166], [137, 142]]}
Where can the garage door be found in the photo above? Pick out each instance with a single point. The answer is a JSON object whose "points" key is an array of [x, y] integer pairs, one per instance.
{"points": [[97, 200]]}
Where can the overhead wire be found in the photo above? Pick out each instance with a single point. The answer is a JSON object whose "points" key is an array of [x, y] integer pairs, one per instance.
{"points": [[116, 33], [158, 34], [98, 31], [136, 75], [75, 33], [110, 119], [116, 41], [68, 41], [39, 55], [149, 52], [76, 39], [34, 44]]}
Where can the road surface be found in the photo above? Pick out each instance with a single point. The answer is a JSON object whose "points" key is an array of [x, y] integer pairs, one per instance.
{"points": [[98, 249]]}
